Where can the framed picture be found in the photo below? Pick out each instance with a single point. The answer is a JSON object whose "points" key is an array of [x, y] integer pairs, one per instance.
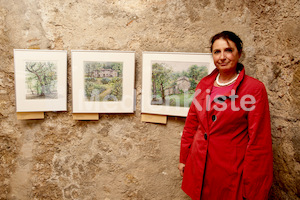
{"points": [[170, 79], [103, 81], [40, 80]]}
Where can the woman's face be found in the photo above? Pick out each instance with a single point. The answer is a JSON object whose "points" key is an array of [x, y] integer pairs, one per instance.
{"points": [[225, 55]]}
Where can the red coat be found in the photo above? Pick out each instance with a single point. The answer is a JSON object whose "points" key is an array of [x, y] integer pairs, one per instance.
{"points": [[228, 154]]}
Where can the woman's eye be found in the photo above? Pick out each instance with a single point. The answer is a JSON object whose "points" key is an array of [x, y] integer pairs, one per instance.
{"points": [[229, 50], [216, 52]]}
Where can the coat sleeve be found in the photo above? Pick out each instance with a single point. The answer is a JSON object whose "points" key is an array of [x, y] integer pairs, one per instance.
{"points": [[258, 162], [189, 130]]}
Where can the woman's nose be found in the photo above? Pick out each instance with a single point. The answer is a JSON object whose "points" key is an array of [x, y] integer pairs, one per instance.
{"points": [[222, 56]]}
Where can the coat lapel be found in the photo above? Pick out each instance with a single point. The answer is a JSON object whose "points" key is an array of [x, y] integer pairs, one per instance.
{"points": [[203, 98], [204, 90]]}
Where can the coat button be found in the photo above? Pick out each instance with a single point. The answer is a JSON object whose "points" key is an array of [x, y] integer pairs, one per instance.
{"points": [[214, 118], [205, 136]]}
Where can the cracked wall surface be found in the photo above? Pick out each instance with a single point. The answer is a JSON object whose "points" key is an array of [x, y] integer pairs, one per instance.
{"points": [[119, 157]]}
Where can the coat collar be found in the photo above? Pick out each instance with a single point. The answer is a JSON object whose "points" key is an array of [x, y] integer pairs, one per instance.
{"points": [[207, 84], [209, 80]]}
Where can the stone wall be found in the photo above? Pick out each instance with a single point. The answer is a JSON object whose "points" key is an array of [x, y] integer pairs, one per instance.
{"points": [[119, 157]]}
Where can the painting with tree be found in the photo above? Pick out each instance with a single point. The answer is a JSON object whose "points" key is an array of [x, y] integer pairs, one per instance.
{"points": [[173, 83], [103, 81], [170, 79], [40, 80]]}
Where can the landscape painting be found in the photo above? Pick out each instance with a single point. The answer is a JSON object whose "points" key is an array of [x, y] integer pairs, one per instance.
{"points": [[170, 79], [103, 81], [173, 83], [41, 80]]}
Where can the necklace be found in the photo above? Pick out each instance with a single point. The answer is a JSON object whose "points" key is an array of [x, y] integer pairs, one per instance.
{"points": [[229, 82]]}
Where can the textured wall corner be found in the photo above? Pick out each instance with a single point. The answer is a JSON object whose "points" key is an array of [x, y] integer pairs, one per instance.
{"points": [[119, 157]]}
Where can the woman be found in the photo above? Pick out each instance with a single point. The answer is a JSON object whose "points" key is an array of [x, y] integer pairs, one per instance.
{"points": [[226, 146]]}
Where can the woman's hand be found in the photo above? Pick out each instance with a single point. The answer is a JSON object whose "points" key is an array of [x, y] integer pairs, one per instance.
{"points": [[181, 168]]}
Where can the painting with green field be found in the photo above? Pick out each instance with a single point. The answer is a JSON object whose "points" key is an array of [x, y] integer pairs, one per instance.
{"points": [[103, 81], [174, 83], [41, 80]]}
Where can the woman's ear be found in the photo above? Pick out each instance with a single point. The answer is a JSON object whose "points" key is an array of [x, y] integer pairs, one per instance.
{"points": [[242, 56]]}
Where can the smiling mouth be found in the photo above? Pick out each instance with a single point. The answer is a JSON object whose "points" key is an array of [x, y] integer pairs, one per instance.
{"points": [[223, 64]]}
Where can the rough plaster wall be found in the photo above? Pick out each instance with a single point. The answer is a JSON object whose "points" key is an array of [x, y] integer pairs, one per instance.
{"points": [[118, 157]]}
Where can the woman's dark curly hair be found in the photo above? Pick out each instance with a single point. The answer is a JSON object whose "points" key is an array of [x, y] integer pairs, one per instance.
{"points": [[228, 35]]}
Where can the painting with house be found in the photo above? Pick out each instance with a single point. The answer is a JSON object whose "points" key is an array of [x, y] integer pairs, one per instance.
{"points": [[103, 81], [173, 83]]}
